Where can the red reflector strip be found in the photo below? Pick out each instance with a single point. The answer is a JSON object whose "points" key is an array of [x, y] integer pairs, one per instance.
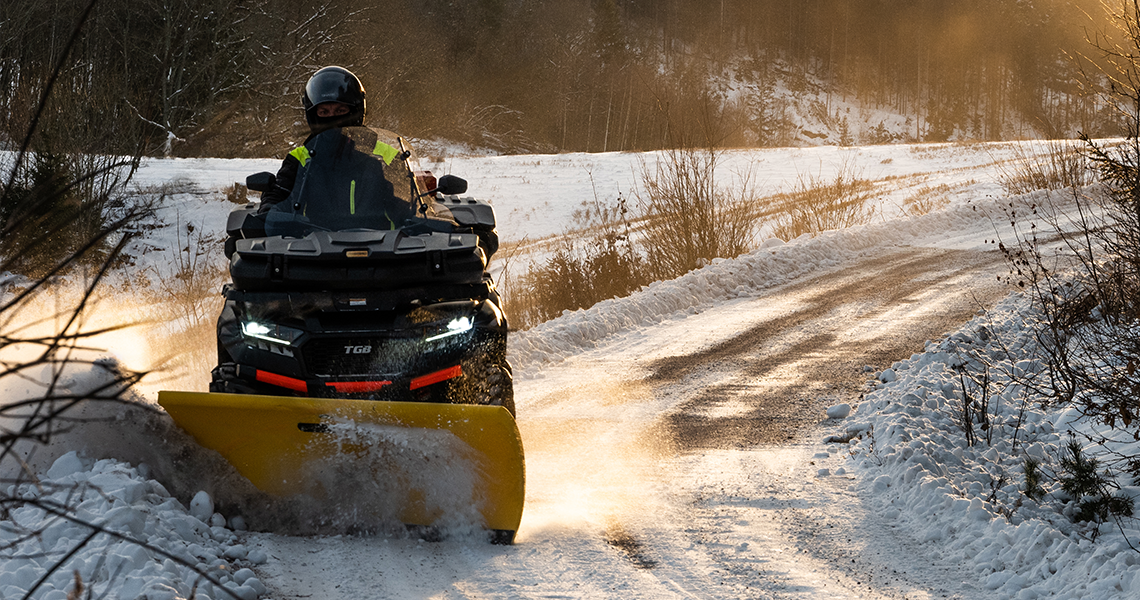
{"points": [[357, 387], [282, 381], [436, 377]]}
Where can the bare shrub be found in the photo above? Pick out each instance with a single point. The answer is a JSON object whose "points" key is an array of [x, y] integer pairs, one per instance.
{"points": [[689, 219], [55, 203], [190, 282], [1087, 292], [575, 277], [818, 204], [1090, 300], [187, 289], [1086, 289], [976, 405], [1060, 164], [581, 273], [547, 289], [44, 364], [1082, 273], [237, 193]]}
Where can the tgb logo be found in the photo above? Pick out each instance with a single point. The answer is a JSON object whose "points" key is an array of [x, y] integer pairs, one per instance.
{"points": [[358, 349]]}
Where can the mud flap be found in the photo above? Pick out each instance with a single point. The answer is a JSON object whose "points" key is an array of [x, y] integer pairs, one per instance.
{"points": [[288, 446]]}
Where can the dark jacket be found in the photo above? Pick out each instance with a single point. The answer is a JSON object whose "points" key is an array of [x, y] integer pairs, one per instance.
{"points": [[350, 177], [286, 177]]}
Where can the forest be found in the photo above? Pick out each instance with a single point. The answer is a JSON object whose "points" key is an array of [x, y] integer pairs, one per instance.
{"points": [[224, 77]]}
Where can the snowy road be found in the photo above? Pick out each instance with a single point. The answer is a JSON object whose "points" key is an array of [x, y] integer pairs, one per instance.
{"points": [[658, 468]]}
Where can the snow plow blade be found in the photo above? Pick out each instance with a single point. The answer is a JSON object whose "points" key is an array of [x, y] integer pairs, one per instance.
{"points": [[417, 462]]}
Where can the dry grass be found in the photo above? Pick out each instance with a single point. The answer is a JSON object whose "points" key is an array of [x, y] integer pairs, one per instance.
{"points": [[579, 271], [929, 198], [236, 193], [577, 275], [689, 218], [1060, 165], [685, 219], [818, 204]]}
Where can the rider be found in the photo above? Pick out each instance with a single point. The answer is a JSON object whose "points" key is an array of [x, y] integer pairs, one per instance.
{"points": [[333, 97]]}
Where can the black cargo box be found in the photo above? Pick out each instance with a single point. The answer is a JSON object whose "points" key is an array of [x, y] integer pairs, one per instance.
{"points": [[356, 260]]}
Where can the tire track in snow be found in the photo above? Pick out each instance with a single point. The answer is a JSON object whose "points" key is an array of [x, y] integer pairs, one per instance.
{"points": [[784, 372], [752, 393]]}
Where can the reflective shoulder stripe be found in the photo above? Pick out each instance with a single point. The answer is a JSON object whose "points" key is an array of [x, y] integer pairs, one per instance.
{"points": [[300, 153], [385, 151]]}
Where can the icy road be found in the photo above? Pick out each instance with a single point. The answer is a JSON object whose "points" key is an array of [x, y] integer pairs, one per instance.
{"points": [[682, 460]]}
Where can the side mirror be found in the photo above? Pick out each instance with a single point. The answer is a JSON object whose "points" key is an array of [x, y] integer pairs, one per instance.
{"points": [[450, 185], [261, 182]]}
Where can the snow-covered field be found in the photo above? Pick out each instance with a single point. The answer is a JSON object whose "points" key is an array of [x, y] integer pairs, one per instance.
{"points": [[909, 474]]}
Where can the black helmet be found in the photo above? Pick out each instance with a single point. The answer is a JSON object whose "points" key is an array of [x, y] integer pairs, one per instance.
{"points": [[334, 84]]}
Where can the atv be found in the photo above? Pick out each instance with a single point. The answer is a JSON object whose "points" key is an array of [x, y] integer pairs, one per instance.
{"points": [[363, 296], [351, 289]]}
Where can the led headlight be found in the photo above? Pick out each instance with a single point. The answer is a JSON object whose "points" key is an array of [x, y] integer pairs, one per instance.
{"points": [[455, 327], [270, 332]]}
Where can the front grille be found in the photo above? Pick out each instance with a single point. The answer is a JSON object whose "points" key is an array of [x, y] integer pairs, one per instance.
{"points": [[360, 355]]}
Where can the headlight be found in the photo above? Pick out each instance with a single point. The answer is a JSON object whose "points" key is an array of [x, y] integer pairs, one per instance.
{"points": [[270, 332], [455, 327]]}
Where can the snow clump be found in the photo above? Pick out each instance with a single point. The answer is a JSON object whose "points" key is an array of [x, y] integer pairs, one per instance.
{"points": [[839, 411], [150, 545], [914, 461]]}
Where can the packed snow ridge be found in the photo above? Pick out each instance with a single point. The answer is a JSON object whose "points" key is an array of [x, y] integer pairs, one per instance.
{"points": [[912, 455]]}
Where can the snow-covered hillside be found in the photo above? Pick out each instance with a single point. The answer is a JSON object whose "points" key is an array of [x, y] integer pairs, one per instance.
{"points": [[891, 480]]}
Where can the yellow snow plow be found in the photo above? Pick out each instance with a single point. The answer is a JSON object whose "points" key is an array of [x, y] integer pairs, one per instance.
{"points": [[362, 345], [423, 464]]}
